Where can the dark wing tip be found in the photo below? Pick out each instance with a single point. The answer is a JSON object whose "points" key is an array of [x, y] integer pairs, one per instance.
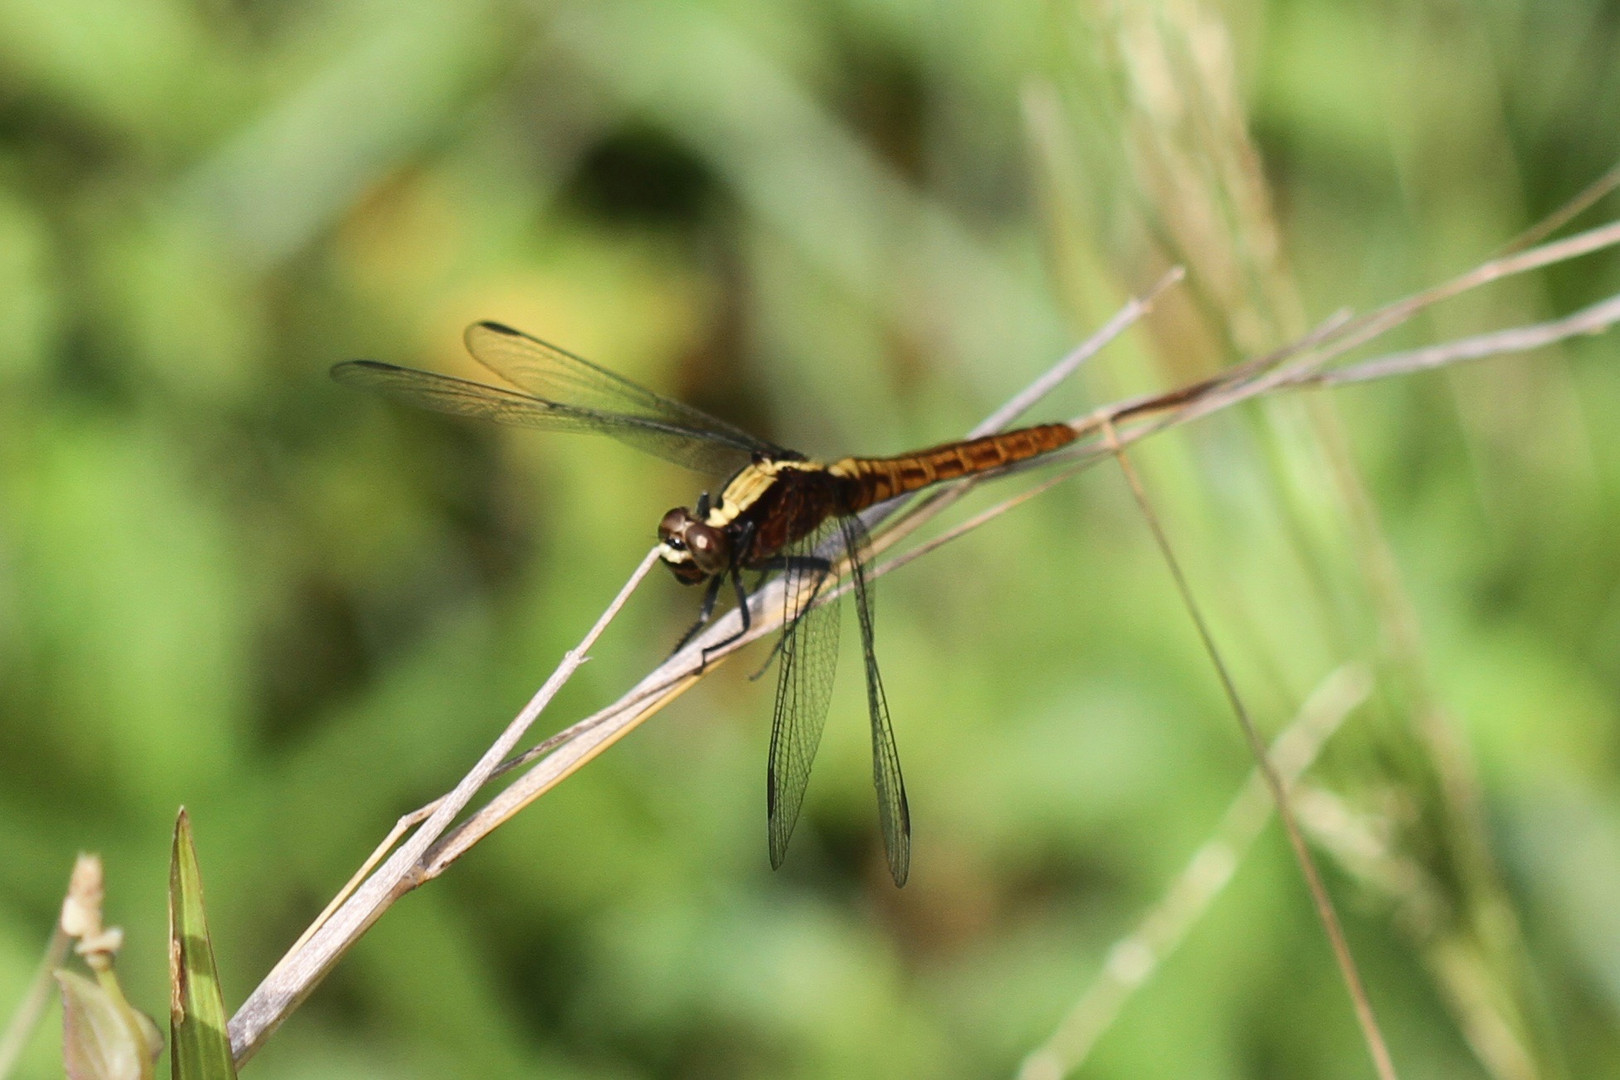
{"points": [[349, 369], [778, 843], [773, 822], [487, 326], [900, 858], [897, 830]]}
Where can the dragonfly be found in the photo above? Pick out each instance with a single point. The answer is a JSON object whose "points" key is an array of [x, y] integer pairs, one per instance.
{"points": [[776, 512]]}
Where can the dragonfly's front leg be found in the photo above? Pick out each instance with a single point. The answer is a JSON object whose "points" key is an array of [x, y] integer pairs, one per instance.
{"points": [[710, 595], [742, 606], [740, 544]]}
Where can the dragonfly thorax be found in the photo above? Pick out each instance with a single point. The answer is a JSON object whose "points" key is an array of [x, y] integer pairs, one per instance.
{"points": [[693, 549]]}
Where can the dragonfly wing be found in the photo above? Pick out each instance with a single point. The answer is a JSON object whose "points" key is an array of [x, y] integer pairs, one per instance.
{"points": [[554, 374], [695, 449], [893, 814], [459, 397], [808, 661]]}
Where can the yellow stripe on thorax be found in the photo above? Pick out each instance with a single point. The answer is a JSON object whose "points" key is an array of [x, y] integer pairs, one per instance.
{"points": [[746, 488]]}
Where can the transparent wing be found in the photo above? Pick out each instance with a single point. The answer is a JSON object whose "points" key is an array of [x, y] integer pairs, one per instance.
{"points": [[808, 661], [556, 375], [893, 814], [581, 397]]}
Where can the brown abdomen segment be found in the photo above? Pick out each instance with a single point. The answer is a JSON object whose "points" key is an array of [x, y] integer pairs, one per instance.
{"points": [[876, 479]]}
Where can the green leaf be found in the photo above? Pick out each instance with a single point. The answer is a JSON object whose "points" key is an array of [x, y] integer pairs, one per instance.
{"points": [[197, 1018]]}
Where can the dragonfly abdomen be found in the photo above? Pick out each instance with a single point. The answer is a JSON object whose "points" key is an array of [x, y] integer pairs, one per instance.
{"points": [[876, 479]]}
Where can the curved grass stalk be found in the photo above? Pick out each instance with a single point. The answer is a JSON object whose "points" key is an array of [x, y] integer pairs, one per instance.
{"points": [[435, 845]]}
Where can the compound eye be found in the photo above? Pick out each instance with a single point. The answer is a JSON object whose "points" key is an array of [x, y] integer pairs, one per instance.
{"points": [[709, 547], [672, 529]]}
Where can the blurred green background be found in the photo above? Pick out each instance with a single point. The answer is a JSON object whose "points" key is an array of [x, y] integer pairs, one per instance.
{"points": [[854, 227]]}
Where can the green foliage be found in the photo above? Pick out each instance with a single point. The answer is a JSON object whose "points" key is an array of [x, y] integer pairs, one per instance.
{"points": [[199, 1047], [852, 227]]}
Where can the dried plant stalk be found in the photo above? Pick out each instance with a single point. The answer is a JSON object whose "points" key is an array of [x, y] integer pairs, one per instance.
{"points": [[435, 845]]}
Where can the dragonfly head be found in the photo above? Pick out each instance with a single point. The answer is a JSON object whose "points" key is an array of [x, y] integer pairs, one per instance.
{"points": [[693, 550]]}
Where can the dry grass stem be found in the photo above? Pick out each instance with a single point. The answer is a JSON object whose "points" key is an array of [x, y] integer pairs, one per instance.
{"points": [[1589, 320], [1126, 317], [1574, 208], [1336, 335], [291, 980], [405, 824], [1360, 843], [1302, 363], [1133, 959], [1329, 917], [595, 733], [436, 845]]}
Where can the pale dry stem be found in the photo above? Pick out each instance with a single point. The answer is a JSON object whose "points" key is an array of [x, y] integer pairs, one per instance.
{"points": [[1132, 959], [1383, 1063], [297, 974], [435, 846]]}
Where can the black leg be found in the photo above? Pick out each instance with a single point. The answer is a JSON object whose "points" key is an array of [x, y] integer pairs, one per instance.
{"points": [[738, 547], [742, 601], [742, 606], [710, 594]]}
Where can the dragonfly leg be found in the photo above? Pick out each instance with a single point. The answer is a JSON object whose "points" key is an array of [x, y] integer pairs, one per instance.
{"points": [[739, 545], [710, 595], [802, 564], [742, 606]]}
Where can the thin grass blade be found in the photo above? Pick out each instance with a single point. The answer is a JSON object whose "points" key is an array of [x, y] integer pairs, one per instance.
{"points": [[197, 1016]]}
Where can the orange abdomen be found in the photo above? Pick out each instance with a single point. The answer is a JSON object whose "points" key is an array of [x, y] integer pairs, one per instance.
{"points": [[877, 479]]}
